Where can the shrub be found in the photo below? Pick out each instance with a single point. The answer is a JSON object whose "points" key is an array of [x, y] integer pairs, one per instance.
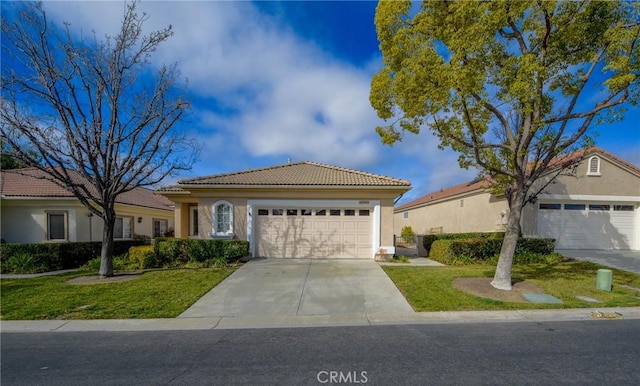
{"points": [[171, 252], [468, 251], [25, 263], [441, 251], [541, 246], [56, 256], [427, 240], [407, 234], [120, 263], [234, 249], [142, 257]]}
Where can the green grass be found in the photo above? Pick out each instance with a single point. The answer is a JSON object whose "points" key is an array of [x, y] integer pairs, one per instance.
{"points": [[399, 259], [431, 288], [156, 294]]}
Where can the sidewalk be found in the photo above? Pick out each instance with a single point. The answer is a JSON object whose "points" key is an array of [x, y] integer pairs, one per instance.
{"points": [[278, 321]]}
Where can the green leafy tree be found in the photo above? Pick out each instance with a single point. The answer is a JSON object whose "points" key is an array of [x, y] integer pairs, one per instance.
{"points": [[509, 85], [9, 162], [93, 114], [407, 234]]}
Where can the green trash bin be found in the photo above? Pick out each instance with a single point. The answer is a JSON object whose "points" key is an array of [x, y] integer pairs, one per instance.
{"points": [[603, 280]]}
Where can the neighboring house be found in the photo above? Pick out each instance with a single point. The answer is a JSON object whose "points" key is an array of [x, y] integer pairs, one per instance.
{"points": [[295, 210], [34, 209], [595, 208]]}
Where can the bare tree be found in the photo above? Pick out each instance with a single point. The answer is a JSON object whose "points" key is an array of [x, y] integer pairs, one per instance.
{"points": [[97, 118]]}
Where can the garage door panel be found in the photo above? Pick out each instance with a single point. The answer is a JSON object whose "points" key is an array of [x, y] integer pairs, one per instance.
{"points": [[334, 225], [320, 225], [348, 225], [588, 228], [294, 235]]}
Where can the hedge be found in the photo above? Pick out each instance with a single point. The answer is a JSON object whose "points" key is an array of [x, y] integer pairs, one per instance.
{"points": [[455, 251], [171, 250], [56, 256], [427, 240]]}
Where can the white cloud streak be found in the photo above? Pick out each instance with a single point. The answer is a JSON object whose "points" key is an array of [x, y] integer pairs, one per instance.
{"points": [[288, 97]]}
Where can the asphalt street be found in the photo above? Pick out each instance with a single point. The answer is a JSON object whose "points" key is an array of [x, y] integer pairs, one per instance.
{"points": [[540, 353]]}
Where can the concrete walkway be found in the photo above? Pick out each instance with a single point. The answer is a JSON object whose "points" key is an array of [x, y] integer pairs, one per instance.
{"points": [[31, 275], [291, 321], [302, 287], [624, 260]]}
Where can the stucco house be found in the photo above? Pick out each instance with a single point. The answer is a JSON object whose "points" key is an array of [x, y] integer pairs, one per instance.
{"points": [[34, 210], [595, 208], [295, 210]]}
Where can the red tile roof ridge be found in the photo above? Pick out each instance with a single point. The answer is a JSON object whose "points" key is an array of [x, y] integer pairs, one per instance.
{"points": [[198, 180], [465, 187]]}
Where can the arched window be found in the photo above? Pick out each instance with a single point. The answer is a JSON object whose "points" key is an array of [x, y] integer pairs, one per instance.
{"points": [[594, 166], [222, 219]]}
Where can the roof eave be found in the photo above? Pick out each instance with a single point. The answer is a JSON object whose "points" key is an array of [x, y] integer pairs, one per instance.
{"points": [[443, 199], [262, 186]]}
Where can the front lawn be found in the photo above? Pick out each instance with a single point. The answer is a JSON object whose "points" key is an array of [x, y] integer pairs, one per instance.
{"points": [[155, 294], [431, 289]]}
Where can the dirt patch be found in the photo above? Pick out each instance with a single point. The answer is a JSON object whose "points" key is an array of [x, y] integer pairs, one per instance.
{"points": [[481, 287], [89, 280]]}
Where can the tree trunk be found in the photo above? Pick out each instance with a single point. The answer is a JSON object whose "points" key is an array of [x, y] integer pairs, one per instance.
{"points": [[106, 255], [502, 277]]}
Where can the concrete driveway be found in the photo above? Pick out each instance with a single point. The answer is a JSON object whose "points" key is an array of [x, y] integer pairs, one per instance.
{"points": [[302, 287], [624, 260]]}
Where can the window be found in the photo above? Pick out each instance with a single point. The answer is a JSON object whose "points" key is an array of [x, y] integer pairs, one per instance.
{"points": [[277, 212], [334, 212], [305, 212], [263, 212], [594, 166], [462, 203], [160, 227], [349, 212], [599, 207], [123, 228], [321, 212], [623, 208], [547, 206], [574, 206], [364, 212], [222, 219], [405, 215], [194, 228], [56, 225], [292, 212]]}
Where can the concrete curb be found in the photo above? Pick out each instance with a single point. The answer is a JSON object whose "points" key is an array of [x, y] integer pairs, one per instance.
{"points": [[338, 320]]}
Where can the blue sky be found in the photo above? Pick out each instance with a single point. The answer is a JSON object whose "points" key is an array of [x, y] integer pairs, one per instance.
{"points": [[272, 81]]}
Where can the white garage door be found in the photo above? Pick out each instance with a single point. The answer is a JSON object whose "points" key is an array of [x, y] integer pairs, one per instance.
{"points": [[314, 233], [588, 225]]}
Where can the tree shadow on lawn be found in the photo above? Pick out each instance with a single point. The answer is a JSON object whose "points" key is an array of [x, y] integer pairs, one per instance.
{"points": [[575, 270]]}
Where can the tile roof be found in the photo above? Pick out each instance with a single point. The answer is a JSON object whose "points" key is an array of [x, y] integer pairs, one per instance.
{"points": [[482, 184], [32, 183], [469, 186], [295, 174]]}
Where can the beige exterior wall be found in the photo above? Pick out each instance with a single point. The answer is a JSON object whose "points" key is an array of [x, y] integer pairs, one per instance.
{"points": [[386, 222], [477, 212], [481, 212], [614, 181], [25, 221]]}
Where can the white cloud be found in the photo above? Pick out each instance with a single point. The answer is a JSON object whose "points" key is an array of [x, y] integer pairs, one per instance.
{"points": [[289, 98]]}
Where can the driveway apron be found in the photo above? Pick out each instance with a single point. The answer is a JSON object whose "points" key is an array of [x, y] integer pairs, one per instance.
{"points": [[624, 260], [302, 287]]}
